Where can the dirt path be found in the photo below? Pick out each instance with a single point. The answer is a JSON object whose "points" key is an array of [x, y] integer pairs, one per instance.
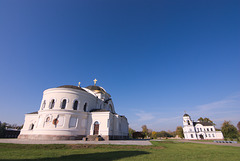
{"points": [[212, 143], [115, 142]]}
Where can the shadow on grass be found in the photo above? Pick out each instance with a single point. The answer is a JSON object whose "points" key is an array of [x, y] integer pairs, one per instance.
{"points": [[106, 156]]}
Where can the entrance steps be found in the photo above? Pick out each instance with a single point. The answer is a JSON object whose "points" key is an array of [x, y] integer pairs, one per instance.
{"points": [[93, 138]]}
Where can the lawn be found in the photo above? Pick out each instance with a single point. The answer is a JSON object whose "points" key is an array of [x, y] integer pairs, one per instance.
{"points": [[165, 150]]}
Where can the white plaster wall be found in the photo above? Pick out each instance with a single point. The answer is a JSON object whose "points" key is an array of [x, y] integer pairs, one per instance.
{"points": [[102, 118], [219, 135], [58, 94], [29, 119]]}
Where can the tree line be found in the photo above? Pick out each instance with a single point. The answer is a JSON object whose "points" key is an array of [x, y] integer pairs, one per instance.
{"points": [[4, 126], [227, 128]]}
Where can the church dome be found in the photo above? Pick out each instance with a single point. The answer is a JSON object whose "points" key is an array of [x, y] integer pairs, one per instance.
{"points": [[96, 89], [71, 86]]}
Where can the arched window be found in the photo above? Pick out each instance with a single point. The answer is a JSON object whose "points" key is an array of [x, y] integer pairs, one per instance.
{"points": [[43, 104], [75, 105], [52, 103], [31, 126], [96, 128], [85, 107], [63, 105]]}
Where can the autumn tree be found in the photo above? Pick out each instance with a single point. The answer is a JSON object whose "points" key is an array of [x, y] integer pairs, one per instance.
{"points": [[238, 126], [145, 130], [130, 132], [179, 132], [163, 134], [229, 130], [205, 120], [154, 134]]}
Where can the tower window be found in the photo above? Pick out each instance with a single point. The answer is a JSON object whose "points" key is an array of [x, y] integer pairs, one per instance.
{"points": [[64, 102], [85, 107], [52, 103], [188, 122], [75, 105]]}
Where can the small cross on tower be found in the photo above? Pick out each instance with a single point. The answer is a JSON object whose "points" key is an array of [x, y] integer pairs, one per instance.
{"points": [[79, 84], [95, 81]]}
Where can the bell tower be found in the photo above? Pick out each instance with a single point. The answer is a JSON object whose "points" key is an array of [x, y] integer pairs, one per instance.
{"points": [[187, 120]]}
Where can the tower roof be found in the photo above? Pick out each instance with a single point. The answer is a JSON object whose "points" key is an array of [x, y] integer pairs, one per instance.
{"points": [[185, 114]]}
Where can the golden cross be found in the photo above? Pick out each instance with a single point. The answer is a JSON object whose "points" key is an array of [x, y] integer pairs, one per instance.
{"points": [[79, 84], [184, 111], [95, 81]]}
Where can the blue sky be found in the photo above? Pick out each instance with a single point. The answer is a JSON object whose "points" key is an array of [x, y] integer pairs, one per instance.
{"points": [[156, 58]]}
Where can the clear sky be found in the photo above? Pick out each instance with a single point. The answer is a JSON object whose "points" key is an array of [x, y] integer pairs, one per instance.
{"points": [[156, 58]]}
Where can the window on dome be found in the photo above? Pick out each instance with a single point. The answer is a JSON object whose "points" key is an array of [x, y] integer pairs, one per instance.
{"points": [[31, 126], [43, 104], [85, 107], [52, 103], [64, 102], [75, 105]]}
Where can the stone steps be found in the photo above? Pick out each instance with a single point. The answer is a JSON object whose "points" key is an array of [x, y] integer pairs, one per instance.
{"points": [[93, 138]]}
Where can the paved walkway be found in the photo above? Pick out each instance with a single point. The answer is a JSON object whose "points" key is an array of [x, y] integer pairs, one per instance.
{"points": [[212, 143], [115, 142]]}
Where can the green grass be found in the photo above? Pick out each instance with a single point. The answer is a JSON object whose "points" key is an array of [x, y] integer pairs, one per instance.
{"points": [[163, 150]]}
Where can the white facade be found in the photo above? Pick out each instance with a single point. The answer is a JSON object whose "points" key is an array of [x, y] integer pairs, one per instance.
{"points": [[71, 112], [199, 130]]}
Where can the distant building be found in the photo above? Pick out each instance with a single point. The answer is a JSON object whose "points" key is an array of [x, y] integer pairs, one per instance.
{"points": [[73, 112], [11, 133], [199, 130]]}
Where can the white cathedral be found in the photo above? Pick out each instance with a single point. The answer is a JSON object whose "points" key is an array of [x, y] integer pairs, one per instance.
{"points": [[199, 130], [72, 112]]}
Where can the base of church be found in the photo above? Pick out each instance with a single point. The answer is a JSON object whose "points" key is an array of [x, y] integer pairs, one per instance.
{"points": [[68, 137], [50, 137]]}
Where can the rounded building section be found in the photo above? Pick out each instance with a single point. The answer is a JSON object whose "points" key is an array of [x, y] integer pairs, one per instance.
{"points": [[69, 112]]}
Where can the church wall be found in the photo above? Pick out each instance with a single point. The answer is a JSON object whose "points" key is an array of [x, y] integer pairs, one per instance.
{"points": [[118, 127], [29, 120], [102, 118], [219, 135], [58, 94], [69, 124]]}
